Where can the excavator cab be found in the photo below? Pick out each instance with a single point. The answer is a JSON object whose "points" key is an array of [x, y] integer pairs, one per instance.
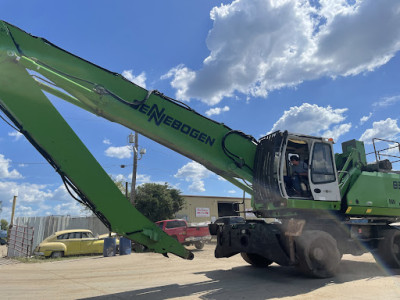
{"points": [[291, 169]]}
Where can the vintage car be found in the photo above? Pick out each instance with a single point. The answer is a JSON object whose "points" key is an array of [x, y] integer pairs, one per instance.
{"points": [[71, 242]]}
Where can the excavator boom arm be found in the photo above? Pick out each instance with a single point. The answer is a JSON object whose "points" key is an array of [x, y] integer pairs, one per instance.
{"points": [[31, 65]]}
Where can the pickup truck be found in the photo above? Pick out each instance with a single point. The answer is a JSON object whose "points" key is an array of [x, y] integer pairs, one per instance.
{"points": [[185, 234]]}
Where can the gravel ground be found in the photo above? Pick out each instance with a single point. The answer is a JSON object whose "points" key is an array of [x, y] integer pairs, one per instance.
{"points": [[152, 276], [3, 251]]}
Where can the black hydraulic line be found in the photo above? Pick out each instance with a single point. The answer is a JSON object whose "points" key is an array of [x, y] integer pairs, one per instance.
{"points": [[238, 161], [12, 126]]}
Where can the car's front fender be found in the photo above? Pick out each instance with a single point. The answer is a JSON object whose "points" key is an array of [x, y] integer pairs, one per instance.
{"points": [[48, 248]]}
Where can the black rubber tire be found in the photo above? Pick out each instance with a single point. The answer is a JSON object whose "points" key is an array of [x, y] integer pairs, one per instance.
{"points": [[317, 254], [199, 245], [138, 248], [256, 260], [213, 228], [388, 252], [57, 254]]}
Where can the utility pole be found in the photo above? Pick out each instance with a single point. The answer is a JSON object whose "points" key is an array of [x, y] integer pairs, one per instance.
{"points": [[13, 211], [133, 139]]}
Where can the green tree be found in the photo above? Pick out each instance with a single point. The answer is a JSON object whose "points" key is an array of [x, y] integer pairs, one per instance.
{"points": [[4, 224], [120, 185], [158, 201]]}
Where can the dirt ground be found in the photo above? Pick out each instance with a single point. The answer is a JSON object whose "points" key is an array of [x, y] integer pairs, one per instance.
{"points": [[152, 276], [3, 251]]}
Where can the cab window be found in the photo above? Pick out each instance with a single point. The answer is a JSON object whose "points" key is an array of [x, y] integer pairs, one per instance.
{"points": [[171, 224], [181, 224], [322, 169], [175, 224]]}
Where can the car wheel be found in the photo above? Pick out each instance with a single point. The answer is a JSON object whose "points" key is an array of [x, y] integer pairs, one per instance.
{"points": [[199, 245], [57, 254]]}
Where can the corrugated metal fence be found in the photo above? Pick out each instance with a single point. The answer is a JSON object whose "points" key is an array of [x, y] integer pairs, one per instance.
{"points": [[46, 226]]}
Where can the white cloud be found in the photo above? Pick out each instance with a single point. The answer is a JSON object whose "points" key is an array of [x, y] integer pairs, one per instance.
{"points": [[140, 179], [119, 177], [37, 200], [107, 142], [5, 173], [387, 101], [384, 129], [140, 79], [216, 111], [182, 77], [118, 152], [197, 186], [262, 45], [195, 173], [70, 207], [17, 135], [337, 131], [231, 192], [313, 120], [393, 149], [365, 119], [143, 178]]}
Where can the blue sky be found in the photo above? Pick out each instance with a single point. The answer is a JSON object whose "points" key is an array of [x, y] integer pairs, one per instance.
{"points": [[327, 68]]}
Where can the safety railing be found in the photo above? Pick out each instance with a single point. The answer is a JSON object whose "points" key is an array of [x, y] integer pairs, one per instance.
{"points": [[391, 152]]}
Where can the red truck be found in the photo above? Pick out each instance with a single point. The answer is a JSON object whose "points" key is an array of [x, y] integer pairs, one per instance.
{"points": [[185, 234]]}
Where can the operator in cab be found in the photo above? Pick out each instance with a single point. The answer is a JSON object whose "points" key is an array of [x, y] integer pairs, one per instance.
{"points": [[299, 172]]}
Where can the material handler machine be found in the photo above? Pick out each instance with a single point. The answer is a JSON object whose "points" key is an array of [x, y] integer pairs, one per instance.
{"points": [[341, 205]]}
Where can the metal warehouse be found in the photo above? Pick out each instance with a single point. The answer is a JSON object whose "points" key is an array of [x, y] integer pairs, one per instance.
{"points": [[208, 208]]}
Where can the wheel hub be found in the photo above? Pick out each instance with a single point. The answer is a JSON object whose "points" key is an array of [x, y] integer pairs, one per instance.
{"points": [[318, 254]]}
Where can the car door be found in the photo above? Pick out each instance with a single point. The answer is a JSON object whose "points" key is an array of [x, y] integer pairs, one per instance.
{"points": [[90, 244], [74, 243], [176, 229], [71, 241]]}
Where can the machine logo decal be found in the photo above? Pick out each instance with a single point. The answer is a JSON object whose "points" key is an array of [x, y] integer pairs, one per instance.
{"points": [[159, 117]]}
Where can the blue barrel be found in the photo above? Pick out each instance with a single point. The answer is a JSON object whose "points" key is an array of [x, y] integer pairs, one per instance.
{"points": [[110, 247], [125, 246]]}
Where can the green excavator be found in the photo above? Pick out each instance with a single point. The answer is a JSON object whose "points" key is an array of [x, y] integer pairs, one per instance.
{"points": [[339, 204]]}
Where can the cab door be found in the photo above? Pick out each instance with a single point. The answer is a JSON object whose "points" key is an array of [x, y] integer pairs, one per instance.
{"points": [[322, 173]]}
